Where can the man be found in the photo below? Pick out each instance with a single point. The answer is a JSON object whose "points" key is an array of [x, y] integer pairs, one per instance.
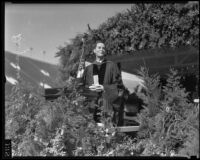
{"points": [[104, 77]]}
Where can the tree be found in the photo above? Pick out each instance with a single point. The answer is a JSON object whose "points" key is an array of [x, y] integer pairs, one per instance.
{"points": [[144, 26]]}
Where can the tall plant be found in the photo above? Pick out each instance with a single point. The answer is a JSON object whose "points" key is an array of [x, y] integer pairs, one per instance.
{"points": [[168, 128]]}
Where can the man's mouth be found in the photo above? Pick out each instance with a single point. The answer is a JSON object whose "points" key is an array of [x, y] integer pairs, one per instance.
{"points": [[101, 52]]}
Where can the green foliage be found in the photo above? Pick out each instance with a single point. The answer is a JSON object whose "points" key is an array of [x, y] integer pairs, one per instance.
{"points": [[169, 124], [63, 127], [172, 123], [144, 26], [21, 107]]}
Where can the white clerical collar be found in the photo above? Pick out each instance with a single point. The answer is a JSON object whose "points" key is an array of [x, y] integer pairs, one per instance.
{"points": [[100, 61]]}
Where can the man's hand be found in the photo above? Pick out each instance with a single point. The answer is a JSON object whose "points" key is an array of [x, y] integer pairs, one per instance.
{"points": [[96, 87], [80, 73]]}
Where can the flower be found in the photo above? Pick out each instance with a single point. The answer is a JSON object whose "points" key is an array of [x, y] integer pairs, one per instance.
{"points": [[62, 132], [172, 153], [79, 148], [30, 95], [106, 135], [113, 133], [167, 109], [162, 154], [131, 153]]}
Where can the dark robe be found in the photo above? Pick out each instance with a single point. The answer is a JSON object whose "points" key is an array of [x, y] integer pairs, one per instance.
{"points": [[110, 77]]}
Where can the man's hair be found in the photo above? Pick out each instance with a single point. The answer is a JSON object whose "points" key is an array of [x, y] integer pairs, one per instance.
{"points": [[98, 41]]}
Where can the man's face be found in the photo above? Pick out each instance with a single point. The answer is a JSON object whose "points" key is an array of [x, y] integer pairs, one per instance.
{"points": [[99, 50]]}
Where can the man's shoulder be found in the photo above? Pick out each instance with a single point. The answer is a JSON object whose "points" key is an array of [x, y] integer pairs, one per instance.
{"points": [[110, 62], [89, 66], [107, 62]]}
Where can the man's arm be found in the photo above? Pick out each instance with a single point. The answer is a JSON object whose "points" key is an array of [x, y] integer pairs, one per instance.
{"points": [[86, 78]]}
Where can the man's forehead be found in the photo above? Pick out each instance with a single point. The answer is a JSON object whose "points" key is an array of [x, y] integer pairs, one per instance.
{"points": [[100, 44]]}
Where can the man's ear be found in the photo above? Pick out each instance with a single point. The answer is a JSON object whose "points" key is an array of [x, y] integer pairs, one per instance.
{"points": [[94, 51]]}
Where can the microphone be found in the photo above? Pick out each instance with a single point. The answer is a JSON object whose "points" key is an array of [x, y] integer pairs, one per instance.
{"points": [[81, 61]]}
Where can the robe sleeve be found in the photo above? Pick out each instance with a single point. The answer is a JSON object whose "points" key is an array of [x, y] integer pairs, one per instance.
{"points": [[112, 90]]}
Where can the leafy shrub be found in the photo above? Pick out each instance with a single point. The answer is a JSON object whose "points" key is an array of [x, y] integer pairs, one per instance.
{"points": [[168, 124], [59, 128], [169, 121]]}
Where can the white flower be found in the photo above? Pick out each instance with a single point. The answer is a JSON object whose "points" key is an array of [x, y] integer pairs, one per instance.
{"points": [[100, 124], [30, 95], [75, 102], [162, 154], [188, 42], [113, 133], [111, 152], [35, 138], [79, 148], [167, 109], [131, 153], [172, 153], [62, 132]]}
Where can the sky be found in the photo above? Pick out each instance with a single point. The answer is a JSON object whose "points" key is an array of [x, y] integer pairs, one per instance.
{"points": [[45, 27]]}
